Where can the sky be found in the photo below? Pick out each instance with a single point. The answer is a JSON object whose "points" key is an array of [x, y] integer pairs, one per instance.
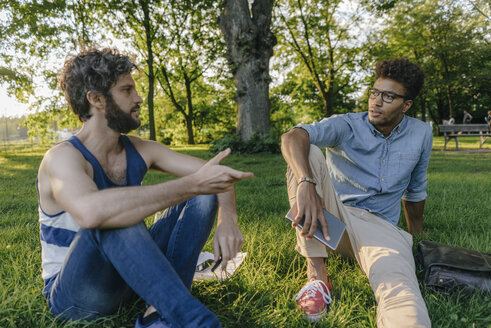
{"points": [[9, 106]]}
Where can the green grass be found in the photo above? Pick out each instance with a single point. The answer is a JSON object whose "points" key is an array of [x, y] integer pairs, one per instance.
{"points": [[262, 292], [465, 143]]}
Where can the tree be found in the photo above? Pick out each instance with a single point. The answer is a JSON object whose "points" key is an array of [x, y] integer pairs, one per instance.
{"points": [[188, 46], [315, 36], [250, 45], [137, 21], [449, 41], [36, 36]]}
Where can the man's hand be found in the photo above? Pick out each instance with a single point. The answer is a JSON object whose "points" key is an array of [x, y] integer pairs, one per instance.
{"points": [[228, 240], [309, 206], [213, 178]]}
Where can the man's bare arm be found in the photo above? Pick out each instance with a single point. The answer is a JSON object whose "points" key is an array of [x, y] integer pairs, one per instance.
{"points": [[228, 238], [295, 147], [414, 216], [74, 190]]}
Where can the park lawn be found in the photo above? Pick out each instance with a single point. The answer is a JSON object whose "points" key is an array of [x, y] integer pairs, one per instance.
{"points": [[465, 143], [262, 292]]}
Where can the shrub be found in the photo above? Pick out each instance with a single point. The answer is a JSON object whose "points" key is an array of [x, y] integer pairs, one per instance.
{"points": [[259, 143]]}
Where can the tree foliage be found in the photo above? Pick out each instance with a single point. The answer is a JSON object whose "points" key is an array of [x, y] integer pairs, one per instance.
{"points": [[206, 64], [318, 39], [188, 46], [451, 43]]}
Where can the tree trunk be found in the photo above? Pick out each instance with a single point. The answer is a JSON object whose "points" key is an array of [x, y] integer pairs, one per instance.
{"points": [[151, 75], [250, 45], [423, 108], [190, 116]]}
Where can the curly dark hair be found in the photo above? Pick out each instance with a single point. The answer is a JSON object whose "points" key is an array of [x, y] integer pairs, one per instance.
{"points": [[404, 72], [91, 70]]}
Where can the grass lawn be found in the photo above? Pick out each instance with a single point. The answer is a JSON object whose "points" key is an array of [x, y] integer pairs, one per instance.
{"points": [[262, 292]]}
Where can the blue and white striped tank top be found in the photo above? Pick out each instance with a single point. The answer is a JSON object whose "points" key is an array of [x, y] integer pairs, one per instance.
{"points": [[57, 231]]}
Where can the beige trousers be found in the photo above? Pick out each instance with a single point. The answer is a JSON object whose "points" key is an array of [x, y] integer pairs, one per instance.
{"points": [[383, 251]]}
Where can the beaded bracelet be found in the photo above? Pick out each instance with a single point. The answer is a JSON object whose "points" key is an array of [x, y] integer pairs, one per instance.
{"points": [[307, 179]]}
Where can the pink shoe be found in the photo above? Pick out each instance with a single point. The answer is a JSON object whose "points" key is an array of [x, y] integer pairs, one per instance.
{"points": [[313, 299]]}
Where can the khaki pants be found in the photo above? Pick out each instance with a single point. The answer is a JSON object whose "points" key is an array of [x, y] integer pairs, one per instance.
{"points": [[383, 251]]}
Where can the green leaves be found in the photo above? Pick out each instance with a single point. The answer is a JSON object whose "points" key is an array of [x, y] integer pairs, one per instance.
{"points": [[448, 40]]}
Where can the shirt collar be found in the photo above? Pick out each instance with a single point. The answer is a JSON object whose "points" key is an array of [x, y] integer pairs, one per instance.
{"points": [[397, 129]]}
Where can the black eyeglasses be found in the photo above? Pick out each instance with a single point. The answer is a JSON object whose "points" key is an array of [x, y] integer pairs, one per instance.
{"points": [[387, 96]]}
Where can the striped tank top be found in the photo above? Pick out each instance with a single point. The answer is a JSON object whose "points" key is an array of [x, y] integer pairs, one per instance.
{"points": [[58, 230]]}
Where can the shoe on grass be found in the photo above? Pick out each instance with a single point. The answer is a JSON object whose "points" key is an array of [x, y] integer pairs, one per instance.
{"points": [[314, 299], [153, 320]]}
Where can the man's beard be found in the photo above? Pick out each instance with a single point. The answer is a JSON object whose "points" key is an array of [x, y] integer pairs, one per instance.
{"points": [[117, 119]]}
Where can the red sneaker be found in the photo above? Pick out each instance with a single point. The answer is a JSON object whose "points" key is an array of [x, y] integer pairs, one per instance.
{"points": [[314, 299]]}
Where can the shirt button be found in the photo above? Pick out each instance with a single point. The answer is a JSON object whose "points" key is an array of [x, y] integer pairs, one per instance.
{"points": [[383, 161], [383, 180]]}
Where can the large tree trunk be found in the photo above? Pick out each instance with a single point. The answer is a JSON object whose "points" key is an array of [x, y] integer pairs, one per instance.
{"points": [[250, 45]]}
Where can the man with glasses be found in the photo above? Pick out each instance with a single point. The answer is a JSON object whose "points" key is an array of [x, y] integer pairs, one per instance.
{"points": [[374, 159]]}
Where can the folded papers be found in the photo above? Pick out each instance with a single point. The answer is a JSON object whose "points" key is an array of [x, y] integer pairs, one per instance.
{"points": [[203, 267]]}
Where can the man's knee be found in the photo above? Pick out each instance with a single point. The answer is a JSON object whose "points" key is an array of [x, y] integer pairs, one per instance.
{"points": [[391, 279], [316, 160], [128, 232], [316, 157], [205, 204]]}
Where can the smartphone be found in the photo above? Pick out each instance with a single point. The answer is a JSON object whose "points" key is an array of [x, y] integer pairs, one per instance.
{"points": [[335, 225]]}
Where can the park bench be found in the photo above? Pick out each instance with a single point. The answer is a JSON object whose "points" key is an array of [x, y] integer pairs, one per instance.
{"points": [[455, 131]]}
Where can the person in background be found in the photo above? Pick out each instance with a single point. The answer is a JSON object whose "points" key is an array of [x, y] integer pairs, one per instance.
{"points": [[488, 119]]}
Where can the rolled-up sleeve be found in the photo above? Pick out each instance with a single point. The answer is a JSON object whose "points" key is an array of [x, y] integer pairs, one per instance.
{"points": [[328, 132], [416, 190]]}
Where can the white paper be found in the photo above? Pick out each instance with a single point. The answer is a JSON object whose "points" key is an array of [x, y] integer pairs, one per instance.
{"points": [[218, 274]]}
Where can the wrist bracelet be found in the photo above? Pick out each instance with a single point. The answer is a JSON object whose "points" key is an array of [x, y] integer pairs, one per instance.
{"points": [[307, 179]]}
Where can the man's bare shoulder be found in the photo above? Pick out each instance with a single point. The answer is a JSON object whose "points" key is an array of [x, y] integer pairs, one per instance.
{"points": [[149, 148], [60, 156], [58, 164], [60, 151]]}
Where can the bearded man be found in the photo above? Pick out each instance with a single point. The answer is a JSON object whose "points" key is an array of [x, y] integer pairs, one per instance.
{"points": [[97, 252]]}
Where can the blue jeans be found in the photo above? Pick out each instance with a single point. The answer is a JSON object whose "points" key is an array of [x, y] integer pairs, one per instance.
{"points": [[105, 268]]}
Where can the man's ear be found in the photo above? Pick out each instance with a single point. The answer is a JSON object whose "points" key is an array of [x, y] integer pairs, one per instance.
{"points": [[407, 104], [96, 99]]}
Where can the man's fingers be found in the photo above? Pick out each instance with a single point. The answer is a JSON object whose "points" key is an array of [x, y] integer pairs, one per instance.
{"points": [[216, 249], [306, 223], [313, 228], [239, 175], [225, 257], [220, 157], [297, 219], [324, 226]]}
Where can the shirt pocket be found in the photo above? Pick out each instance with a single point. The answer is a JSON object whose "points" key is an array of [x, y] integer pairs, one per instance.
{"points": [[407, 161], [401, 168]]}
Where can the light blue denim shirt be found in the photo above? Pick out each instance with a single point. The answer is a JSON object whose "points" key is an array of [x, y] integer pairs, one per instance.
{"points": [[370, 171]]}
